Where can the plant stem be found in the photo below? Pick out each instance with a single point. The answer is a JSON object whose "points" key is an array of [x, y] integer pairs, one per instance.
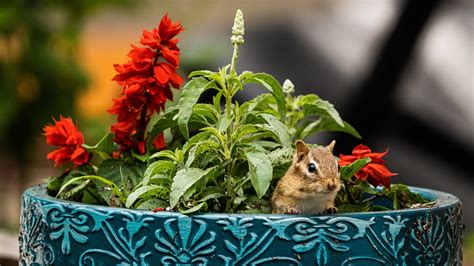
{"points": [[228, 105], [235, 55], [230, 197], [349, 195], [142, 123]]}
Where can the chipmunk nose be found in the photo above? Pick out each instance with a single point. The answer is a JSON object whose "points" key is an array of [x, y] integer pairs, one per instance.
{"points": [[332, 185]]}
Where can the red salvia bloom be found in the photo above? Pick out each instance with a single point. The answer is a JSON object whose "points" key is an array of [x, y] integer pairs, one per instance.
{"points": [[375, 172], [159, 142], [65, 135], [147, 80]]}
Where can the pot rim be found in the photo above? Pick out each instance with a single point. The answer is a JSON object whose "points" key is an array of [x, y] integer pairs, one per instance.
{"points": [[444, 200]]}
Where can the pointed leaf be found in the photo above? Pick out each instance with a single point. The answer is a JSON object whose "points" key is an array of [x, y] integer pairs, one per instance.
{"points": [[203, 73], [105, 145], [184, 179], [199, 148], [165, 154], [272, 85], [327, 124], [189, 97], [211, 193], [151, 204], [279, 129], [323, 108], [346, 172], [111, 185], [205, 113], [155, 168], [260, 170], [194, 208], [164, 122], [139, 192]]}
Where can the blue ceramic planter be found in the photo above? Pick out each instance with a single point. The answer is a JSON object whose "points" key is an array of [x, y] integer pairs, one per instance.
{"points": [[60, 232]]}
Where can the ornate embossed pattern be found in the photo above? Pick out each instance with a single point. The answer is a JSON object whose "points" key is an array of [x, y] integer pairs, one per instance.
{"points": [[58, 232]]}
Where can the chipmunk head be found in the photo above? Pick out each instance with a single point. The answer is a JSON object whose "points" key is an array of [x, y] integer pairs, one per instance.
{"points": [[318, 165]]}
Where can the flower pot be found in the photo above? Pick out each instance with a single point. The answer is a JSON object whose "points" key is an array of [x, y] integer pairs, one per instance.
{"points": [[58, 232]]}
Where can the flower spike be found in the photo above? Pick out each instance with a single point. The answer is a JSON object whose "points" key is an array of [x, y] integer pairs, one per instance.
{"points": [[238, 30], [288, 87]]}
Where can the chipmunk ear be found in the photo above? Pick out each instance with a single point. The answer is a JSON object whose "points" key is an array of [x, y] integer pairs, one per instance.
{"points": [[301, 149], [331, 145]]}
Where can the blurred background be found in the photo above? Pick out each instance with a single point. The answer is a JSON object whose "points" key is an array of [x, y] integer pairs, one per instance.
{"points": [[401, 72]]}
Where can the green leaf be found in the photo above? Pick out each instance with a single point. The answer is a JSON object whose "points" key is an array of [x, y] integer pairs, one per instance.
{"points": [[346, 172], [204, 113], [76, 189], [199, 137], [301, 100], [269, 145], [257, 211], [216, 100], [327, 124], [104, 147], [189, 97], [199, 148], [260, 170], [211, 193], [167, 154], [183, 180], [223, 123], [378, 208], [114, 170], [55, 183], [160, 179], [155, 168], [164, 122], [263, 103], [141, 157], [151, 204], [281, 159], [272, 85], [156, 191], [281, 156], [344, 208], [245, 75], [127, 175], [194, 209], [279, 129], [216, 133], [203, 73], [244, 130], [110, 184], [322, 108]]}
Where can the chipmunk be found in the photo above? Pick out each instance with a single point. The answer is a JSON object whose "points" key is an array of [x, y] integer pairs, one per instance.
{"points": [[311, 183]]}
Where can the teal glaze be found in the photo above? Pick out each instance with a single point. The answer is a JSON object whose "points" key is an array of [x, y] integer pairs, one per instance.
{"points": [[57, 232]]}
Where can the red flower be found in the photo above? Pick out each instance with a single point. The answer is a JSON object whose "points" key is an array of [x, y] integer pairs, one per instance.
{"points": [[375, 172], [159, 142], [65, 135], [147, 80]]}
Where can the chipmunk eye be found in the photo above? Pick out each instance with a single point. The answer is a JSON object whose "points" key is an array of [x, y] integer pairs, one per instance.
{"points": [[311, 167]]}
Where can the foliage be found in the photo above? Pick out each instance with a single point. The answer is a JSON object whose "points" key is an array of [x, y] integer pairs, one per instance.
{"points": [[359, 196], [222, 156]]}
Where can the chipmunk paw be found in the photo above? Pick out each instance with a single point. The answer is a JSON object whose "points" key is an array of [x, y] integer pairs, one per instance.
{"points": [[331, 210], [292, 211]]}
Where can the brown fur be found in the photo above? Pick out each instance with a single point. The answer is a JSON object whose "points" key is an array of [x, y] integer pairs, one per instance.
{"points": [[300, 191]]}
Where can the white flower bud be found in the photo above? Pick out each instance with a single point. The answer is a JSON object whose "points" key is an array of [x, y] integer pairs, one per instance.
{"points": [[288, 87], [238, 30], [237, 39]]}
